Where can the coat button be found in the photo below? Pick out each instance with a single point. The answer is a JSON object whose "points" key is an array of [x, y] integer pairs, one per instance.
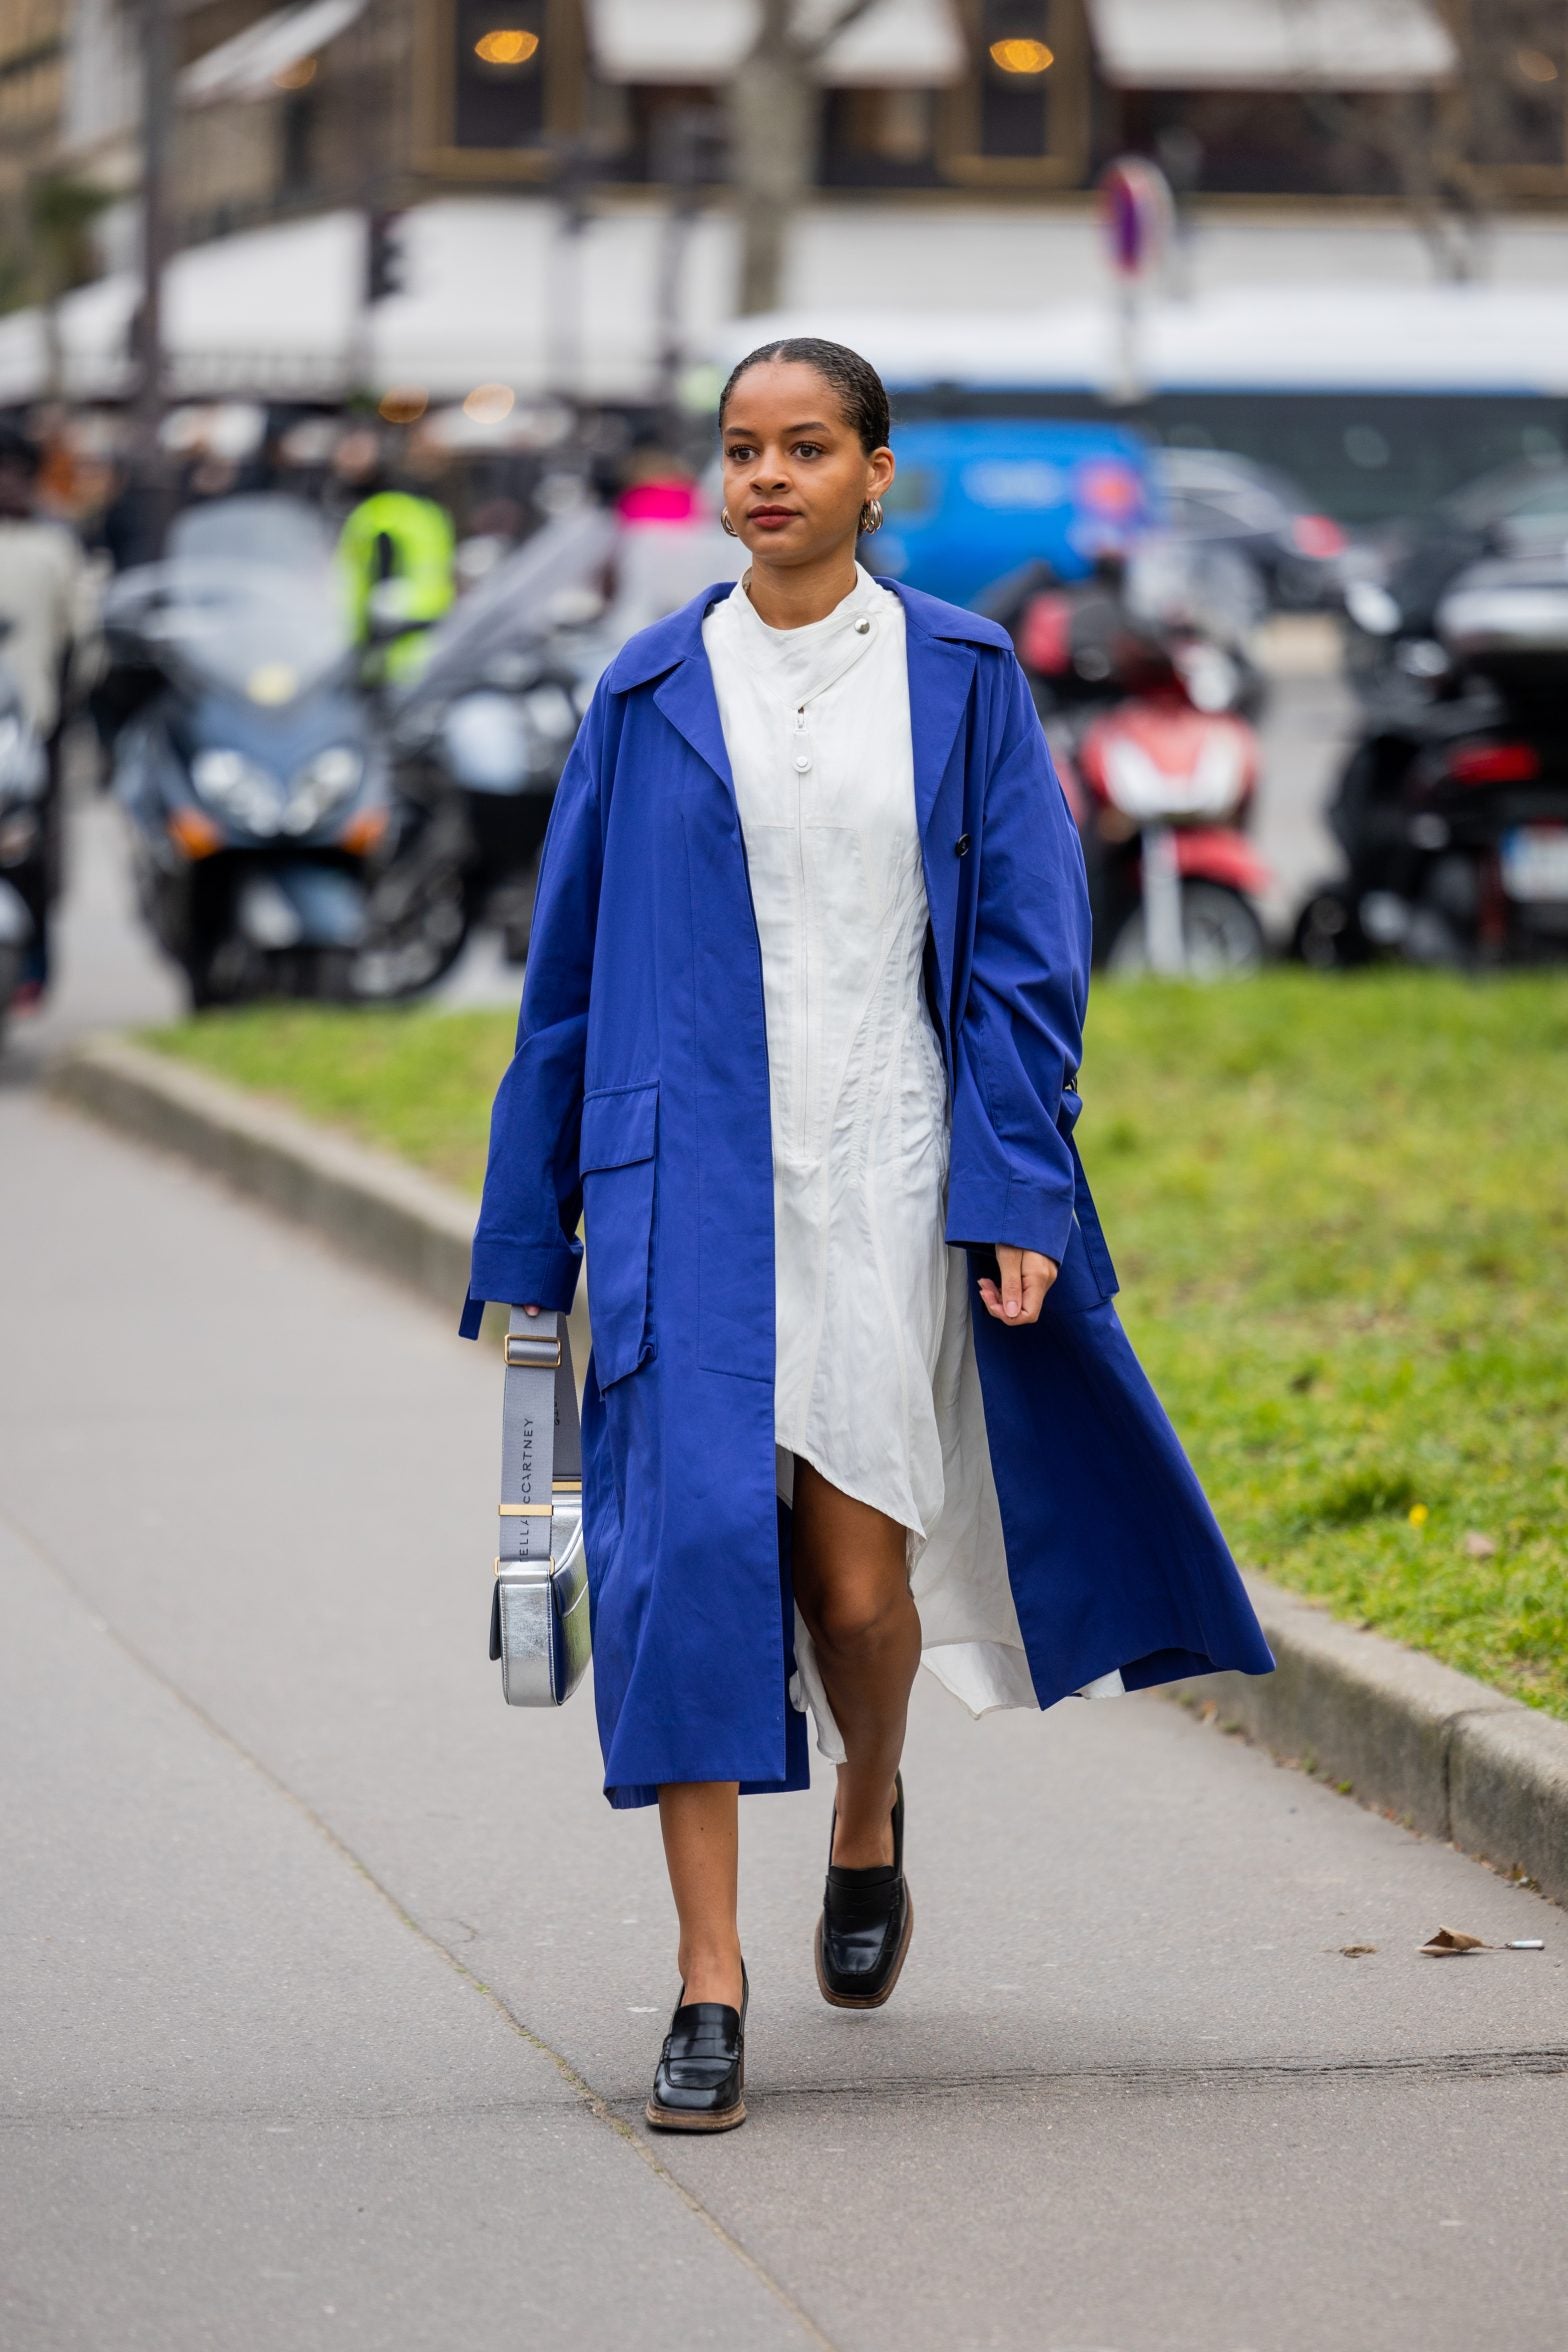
{"points": [[961, 845], [862, 628], [802, 761]]}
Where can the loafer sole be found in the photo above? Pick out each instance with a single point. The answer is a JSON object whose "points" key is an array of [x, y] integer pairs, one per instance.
{"points": [[676, 2119], [868, 2000]]}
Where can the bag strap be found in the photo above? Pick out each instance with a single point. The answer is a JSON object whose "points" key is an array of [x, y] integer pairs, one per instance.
{"points": [[541, 1440]]}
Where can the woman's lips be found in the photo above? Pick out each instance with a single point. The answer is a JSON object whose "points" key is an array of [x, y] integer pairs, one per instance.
{"points": [[771, 518]]}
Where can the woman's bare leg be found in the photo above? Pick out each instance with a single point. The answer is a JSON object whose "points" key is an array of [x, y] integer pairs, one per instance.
{"points": [[700, 1820], [852, 1587]]}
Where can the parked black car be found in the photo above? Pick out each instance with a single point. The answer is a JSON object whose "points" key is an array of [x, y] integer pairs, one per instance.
{"points": [[1214, 499]]}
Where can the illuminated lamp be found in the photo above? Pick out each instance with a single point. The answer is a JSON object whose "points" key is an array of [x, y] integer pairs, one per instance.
{"points": [[506, 47], [1022, 57]]}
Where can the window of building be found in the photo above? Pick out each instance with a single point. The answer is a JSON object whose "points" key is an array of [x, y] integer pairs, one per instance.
{"points": [[500, 83], [1020, 114], [1516, 93], [879, 138]]}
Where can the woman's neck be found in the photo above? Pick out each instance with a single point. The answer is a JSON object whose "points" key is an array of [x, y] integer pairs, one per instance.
{"points": [[793, 596]]}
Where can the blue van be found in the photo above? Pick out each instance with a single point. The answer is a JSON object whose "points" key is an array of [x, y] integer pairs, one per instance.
{"points": [[975, 497]]}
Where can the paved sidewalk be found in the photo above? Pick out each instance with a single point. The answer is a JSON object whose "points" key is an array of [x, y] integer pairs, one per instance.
{"points": [[332, 1987]]}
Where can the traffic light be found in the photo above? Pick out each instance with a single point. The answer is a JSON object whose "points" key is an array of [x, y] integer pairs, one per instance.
{"points": [[384, 256]]}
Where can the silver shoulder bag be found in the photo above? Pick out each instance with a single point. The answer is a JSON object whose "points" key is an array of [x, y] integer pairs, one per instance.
{"points": [[539, 1608]]}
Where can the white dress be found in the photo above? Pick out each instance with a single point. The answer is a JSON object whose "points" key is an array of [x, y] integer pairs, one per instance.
{"points": [[876, 1380]]}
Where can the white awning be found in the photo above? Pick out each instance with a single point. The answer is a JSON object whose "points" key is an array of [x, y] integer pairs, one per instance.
{"points": [[271, 311], [249, 65], [910, 44], [1271, 44]]}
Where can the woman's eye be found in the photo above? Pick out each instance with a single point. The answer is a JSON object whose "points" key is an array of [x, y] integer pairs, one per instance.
{"points": [[738, 452], [808, 449]]}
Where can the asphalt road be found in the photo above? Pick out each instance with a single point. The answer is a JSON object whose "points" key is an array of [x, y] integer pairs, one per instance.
{"points": [[331, 1988]]}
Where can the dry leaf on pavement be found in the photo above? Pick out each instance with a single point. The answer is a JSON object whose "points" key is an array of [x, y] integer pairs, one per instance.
{"points": [[1448, 1941]]}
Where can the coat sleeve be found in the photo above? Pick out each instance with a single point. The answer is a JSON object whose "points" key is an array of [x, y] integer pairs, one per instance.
{"points": [[1021, 1034], [526, 1249]]}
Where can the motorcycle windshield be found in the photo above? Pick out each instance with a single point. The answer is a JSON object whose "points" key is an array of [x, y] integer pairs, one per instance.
{"points": [[527, 596], [247, 599]]}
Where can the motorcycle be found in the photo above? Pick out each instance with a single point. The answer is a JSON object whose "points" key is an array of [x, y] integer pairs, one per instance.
{"points": [[1395, 585], [1173, 878], [24, 861], [1143, 681], [255, 786], [1453, 813], [480, 736]]}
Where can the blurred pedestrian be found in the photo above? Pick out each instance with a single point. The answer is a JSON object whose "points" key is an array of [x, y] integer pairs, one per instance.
{"points": [[42, 586], [44, 598], [397, 549], [800, 1036]]}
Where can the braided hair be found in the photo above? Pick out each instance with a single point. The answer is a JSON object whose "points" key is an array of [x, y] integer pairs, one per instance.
{"points": [[860, 389]]}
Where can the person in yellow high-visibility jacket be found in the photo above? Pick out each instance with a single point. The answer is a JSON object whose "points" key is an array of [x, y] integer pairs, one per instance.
{"points": [[395, 536]]}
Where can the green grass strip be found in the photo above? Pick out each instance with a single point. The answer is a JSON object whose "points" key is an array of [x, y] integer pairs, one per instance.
{"points": [[1339, 1210]]}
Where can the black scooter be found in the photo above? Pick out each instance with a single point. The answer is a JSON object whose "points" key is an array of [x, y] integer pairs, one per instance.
{"points": [[244, 757], [480, 734], [24, 850], [1453, 810]]}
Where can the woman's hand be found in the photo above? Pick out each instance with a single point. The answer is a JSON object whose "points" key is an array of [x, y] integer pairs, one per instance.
{"points": [[535, 1310], [1026, 1277]]}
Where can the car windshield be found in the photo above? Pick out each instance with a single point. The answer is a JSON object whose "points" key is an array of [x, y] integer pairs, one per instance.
{"points": [[248, 596]]}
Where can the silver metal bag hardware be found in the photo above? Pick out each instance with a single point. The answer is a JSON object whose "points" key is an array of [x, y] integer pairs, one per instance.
{"points": [[539, 1608]]}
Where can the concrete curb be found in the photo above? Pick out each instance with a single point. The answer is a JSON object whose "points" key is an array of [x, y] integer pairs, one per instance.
{"points": [[1404, 1735], [390, 1217], [1397, 1730]]}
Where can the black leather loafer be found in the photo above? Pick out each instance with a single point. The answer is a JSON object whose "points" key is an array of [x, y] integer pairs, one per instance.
{"points": [[867, 1920], [701, 2073]]}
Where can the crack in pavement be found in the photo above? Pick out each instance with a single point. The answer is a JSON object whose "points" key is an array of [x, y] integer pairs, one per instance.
{"points": [[596, 2105], [1157, 2081], [1238, 2074]]}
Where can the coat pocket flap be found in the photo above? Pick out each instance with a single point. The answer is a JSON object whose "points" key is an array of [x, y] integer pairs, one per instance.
{"points": [[618, 1125]]}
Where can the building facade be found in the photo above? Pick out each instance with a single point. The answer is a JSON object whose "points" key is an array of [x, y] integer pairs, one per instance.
{"points": [[1287, 102]]}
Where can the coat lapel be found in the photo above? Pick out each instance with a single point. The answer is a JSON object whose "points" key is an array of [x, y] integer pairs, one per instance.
{"points": [[687, 699], [941, 671]]}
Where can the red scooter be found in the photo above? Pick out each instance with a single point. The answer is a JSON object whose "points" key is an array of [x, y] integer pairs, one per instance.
{"points": [[1149, 723], [1173, 878]]}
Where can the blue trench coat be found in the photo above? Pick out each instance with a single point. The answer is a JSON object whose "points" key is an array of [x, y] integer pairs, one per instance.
{"points": [[638, 1098]]}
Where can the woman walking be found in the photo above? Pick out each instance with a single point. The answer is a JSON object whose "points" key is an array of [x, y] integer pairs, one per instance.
{"points": [[799, 1042]]}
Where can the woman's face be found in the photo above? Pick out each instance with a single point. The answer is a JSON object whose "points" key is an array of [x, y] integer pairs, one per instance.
{"points": [[795, 474]]}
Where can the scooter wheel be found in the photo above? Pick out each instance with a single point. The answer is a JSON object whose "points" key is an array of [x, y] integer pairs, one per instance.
{"points": [[1222, 938]]}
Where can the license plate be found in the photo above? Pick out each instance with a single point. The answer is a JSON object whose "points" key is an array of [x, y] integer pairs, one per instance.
{"points": [[1535, 861]]}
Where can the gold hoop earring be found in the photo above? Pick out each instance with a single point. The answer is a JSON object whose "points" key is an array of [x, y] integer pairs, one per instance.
{"points": [[724, 518], [871, 517]]}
